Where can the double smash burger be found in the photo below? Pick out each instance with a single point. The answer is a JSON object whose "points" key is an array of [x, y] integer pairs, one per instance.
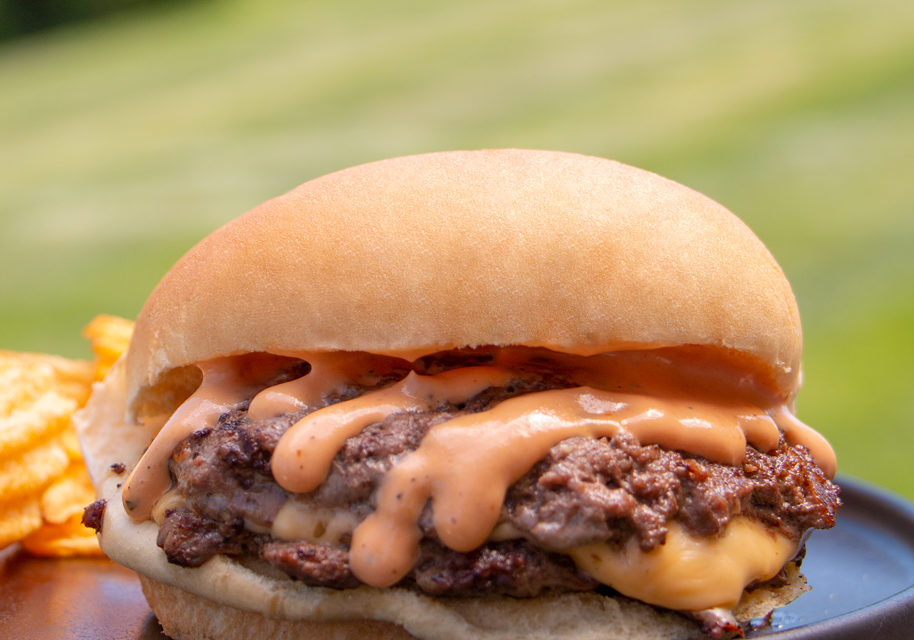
{"points": [[487, 394]]}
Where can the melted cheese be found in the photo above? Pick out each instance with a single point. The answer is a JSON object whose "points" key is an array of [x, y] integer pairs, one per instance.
{"points": [[298, 521], [690, 573], [463, 466], [172, 500]]}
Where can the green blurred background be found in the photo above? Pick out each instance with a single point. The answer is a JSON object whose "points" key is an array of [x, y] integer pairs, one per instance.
{"points": [[130, 130]]}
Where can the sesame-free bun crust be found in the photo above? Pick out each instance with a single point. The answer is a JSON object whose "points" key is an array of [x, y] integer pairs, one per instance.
{"points": [[504, 247], [187, 616]]}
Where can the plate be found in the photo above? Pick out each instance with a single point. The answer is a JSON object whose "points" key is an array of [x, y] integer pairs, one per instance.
{"points": [[861, 572]]}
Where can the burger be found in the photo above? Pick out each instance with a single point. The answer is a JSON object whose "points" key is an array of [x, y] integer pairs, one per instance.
{"points": [[476, 394]]}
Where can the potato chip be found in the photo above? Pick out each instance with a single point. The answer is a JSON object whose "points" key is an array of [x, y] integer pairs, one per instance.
{"points": [[68, 538], [109, 337], [35, 469], [68, 496], [28, 426], [62, 533], [24, 377], [18, 519], [44, 485], [38, 393], [71, 444]]}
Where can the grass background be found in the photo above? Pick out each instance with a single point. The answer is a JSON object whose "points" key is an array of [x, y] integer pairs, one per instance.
{"points": [[125, 139]]}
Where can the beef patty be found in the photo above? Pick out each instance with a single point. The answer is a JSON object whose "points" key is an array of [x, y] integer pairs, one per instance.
{"points": [[585, 490]]}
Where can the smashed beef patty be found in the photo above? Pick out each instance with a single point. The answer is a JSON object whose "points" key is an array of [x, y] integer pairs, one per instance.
{"points": [[585, 490]]}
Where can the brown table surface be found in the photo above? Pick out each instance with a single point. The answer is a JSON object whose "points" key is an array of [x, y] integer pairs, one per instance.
{"points": [[85, 598]]}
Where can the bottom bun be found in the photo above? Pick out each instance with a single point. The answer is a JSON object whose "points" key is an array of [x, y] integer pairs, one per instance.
{"points": [[758, 603], [185, 616]]}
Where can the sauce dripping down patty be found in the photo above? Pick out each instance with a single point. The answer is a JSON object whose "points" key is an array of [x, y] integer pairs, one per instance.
{"points": [[464, 466]]}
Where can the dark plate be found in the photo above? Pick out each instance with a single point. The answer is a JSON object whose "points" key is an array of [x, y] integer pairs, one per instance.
{"points": [[862, 574]]}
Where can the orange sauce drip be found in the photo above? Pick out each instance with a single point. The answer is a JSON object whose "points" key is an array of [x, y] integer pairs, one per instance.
{"points": [[329, 372], [465, 465], [304, 453], [226, 383]]}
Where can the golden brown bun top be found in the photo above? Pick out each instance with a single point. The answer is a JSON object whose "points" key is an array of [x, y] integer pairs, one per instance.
{"points": [[504, 247]]}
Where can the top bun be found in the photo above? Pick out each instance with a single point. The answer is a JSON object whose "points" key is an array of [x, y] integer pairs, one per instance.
{"points": [[430, 252]]}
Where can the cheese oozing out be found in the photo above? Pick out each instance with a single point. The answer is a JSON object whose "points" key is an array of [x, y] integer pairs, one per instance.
{"points": [[690, 573], [464, 466]]}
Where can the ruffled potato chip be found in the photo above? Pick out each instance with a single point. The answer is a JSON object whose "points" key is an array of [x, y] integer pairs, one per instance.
{"points": [[62, 533], [18, 518], [33, 469], [28, 426], [37, 394], [31, 373], [109, 336], [68, 538], [44, 485], [68, 496]]}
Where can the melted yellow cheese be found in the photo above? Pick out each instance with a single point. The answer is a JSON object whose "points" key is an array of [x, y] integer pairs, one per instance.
{"points": [[690, 573], [298, 521]]}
